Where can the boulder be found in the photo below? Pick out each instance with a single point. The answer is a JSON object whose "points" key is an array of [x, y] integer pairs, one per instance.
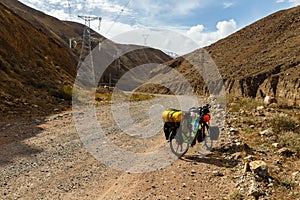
{"points": [[260, 108], [233, 130], [286, 151], [275, 145], [296, 178], [259, 168], [218, 173], [269, 100], [266, 132]]}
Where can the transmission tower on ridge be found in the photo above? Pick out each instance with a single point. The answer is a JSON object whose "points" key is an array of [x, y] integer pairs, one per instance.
{"points": [[86, 47], [69, 9], [145, 36], [118, 60]]}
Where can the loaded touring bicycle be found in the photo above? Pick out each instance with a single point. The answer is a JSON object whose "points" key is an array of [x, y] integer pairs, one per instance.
{"points": [[184, 128]]}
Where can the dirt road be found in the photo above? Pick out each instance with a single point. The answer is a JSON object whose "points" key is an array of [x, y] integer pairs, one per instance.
{"points": [[46, 158]]}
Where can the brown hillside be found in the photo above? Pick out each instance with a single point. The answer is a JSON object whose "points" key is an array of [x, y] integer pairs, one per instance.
{"points": [[261, 59], [62, 31], [34, 67], [37, 65], [58, 30], [133, 56]]}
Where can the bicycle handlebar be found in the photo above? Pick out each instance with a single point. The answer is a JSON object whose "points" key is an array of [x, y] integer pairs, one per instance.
{"points": [[199, 109]]}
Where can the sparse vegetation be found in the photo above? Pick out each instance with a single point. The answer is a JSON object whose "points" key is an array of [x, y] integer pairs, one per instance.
{"points": [[67, 92], [237, 104], [64, 93], [237, 195], [106, 97], [103, 97], [290, 140], [38, 76], [268, 130], [140, 97], [283, 123]]}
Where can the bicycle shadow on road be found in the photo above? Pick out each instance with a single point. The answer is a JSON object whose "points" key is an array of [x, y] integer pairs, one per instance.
{"points": [[224, 156], [212, 159]]}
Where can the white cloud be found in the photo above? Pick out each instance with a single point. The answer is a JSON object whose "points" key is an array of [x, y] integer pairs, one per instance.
{"points": [[55, 1], [166, 40], [110, 29], [185, 7], [167, 7], [195, 30], [295, 2], [224, 28], [79, 7], [228, 4], [152, 11], [292, 2], [61, 13], [36, 4], [157, 12]]}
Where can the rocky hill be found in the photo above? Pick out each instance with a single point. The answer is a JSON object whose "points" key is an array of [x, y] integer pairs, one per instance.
{"points": [[37, 66], [34, 67], [261, 59]]}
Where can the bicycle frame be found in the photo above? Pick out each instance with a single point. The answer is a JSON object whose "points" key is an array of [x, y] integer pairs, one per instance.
{"points": [[183, 136]]}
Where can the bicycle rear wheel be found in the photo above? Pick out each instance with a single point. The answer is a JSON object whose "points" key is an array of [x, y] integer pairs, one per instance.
{"points": [[177, 144]]}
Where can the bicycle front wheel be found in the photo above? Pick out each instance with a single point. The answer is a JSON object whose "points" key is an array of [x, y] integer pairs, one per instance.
{"points": [[177, 144]]}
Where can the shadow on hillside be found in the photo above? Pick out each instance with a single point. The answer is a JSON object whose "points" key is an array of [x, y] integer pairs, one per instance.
{"points": [[13, 134]]}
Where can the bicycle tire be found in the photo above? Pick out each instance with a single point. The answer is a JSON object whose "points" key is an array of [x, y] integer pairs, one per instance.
{"points": [[178, 146]]}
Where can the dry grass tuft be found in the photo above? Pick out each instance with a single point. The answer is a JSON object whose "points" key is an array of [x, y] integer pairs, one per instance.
{"points": [[282, 123]]}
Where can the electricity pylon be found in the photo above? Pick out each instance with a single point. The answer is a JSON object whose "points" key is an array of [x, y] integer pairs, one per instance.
{"points": [[145, 36], [86, 56], [86, 48]]}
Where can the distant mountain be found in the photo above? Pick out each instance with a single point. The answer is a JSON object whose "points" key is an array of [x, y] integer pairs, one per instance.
{"points": [[37, 66], [261, 59], [172, 54]]}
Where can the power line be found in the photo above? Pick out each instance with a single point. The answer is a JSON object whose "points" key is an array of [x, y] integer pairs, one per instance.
{"points": [[70, 3], [118, 16]]}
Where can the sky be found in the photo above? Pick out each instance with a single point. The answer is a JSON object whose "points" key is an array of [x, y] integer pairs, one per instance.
{"points": [[203, 21]]}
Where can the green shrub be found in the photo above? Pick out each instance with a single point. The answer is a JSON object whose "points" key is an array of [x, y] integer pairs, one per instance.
{"points": [[290, 140], [103, 96], [65, 93], [281, 124]]}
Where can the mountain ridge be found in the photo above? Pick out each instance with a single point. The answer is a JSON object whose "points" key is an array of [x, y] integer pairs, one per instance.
{"points": [[258, 60], [37, 66]]}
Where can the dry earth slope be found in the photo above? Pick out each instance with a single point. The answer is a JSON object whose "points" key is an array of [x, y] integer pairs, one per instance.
{"points": [[261, 59], [34, 67], [37, 66]]}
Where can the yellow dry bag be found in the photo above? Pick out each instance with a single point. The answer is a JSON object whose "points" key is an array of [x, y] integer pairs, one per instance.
{"points": [[172, 116]]}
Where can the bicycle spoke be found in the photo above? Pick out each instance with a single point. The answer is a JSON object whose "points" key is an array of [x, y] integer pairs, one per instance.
{"points": [[178, 146]]}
